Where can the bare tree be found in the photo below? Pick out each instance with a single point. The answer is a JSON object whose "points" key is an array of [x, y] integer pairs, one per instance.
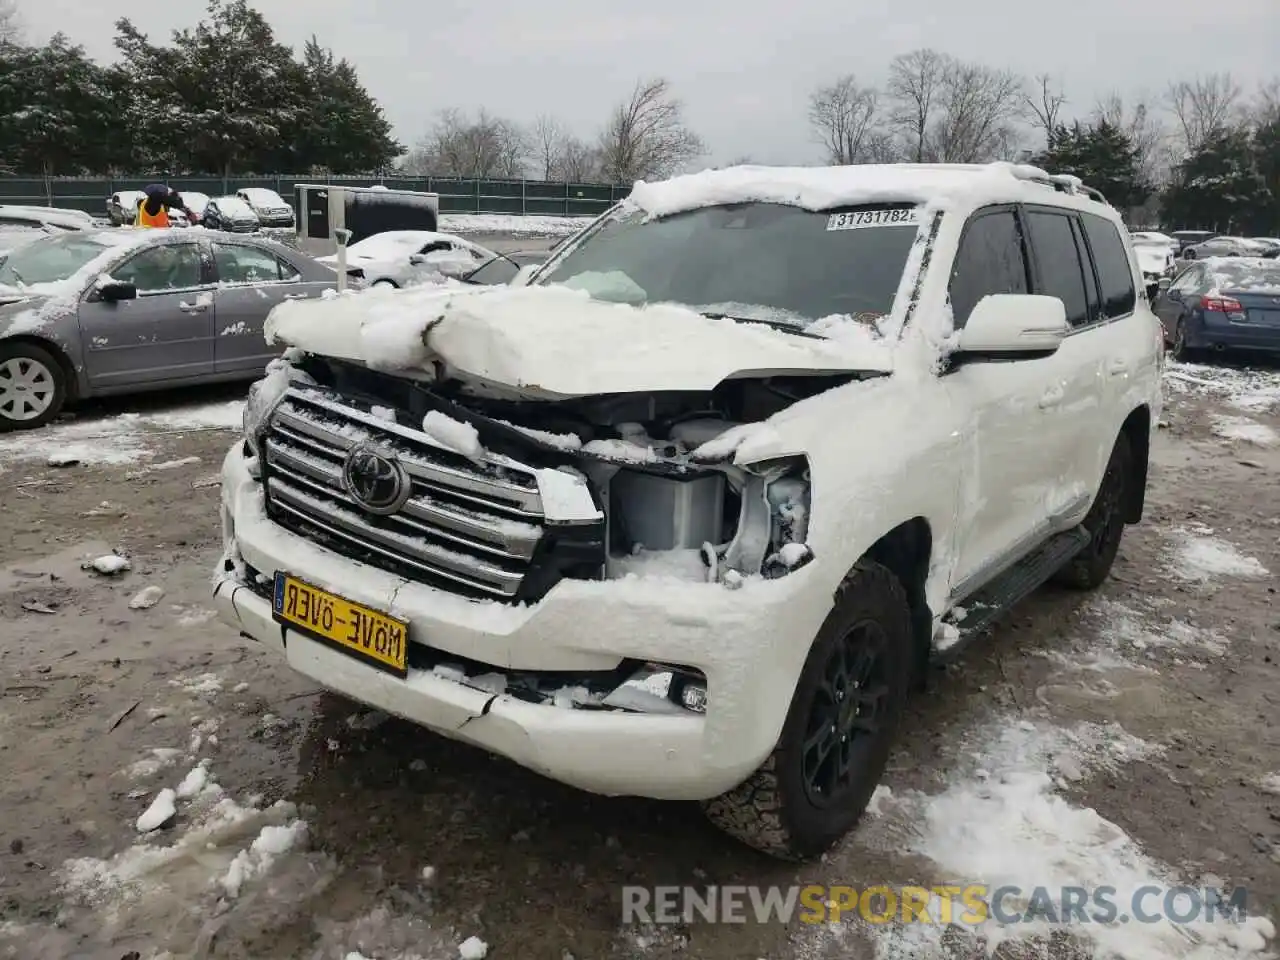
{"points": [[549, 136], [977, 109], [1046, 105], [579, 162], [1204, 107], [10, 22], [914, 82], [646, 136], [842, 117], [460, 146], [1141, 124], [1266, 104]]}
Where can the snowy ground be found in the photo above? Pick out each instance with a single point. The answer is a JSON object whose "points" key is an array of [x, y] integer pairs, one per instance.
{"points": [[205, 802]]}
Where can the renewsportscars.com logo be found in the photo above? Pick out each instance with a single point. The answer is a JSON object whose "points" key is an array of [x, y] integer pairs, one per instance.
{"points": [[971, 904]]}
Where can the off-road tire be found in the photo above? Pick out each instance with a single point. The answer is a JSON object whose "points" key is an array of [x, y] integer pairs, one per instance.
{"points": [[1105, 523], [772, 810], [30, 351]]}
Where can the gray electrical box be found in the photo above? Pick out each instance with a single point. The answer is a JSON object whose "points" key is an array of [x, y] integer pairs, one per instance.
{"points": [[668, 513]]}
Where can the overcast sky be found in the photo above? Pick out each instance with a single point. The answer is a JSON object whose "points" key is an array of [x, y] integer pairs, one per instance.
{"points": [[744, 69]]}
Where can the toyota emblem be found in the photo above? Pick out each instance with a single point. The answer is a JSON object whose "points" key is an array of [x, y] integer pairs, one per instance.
{"points": [[376, 481]]}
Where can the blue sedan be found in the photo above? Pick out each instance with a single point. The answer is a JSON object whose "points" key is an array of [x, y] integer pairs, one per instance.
{"points": [[1221, 304]]}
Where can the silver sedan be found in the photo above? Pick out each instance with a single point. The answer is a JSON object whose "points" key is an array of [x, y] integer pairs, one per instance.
{"points": [[94, 313]]}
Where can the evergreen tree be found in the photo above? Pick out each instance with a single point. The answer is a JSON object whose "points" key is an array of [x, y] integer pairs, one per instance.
{"points": [[1103, 156], [1219, 187]]}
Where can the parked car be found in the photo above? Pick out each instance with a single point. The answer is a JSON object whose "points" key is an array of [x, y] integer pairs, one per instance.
{"points": [[231, 214], [678, 518], [1222, 304], [273, 212], [1222, 247], [398, 258], [1155, 255], [122, 206], [1186, 238], [102, 312], [195, 202], [20, 224], [1270, 245]]}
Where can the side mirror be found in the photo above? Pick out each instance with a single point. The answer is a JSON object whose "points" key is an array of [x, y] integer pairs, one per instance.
{"points": [[1015, 324], [416, 259], [117, 290], [1163, 283]]}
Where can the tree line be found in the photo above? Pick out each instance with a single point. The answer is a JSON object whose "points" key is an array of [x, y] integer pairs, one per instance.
{"points": [[1203, 153], [225, 97], [221, 97]]}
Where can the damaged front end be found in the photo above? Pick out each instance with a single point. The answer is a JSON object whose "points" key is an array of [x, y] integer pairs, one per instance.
{"points": [[500, 499]]}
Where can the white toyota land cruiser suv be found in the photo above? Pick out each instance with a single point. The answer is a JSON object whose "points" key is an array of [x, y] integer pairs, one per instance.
{"points": [[687, 515]]}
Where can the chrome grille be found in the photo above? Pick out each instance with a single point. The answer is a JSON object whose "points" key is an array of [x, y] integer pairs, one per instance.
{"points": [[469, 527]]}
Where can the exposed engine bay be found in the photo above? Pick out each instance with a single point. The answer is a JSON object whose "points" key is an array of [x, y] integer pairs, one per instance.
{"points": [[667, 510]]}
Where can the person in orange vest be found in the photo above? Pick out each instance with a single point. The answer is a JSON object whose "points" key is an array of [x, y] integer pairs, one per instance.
{"points": [[153, 211]]}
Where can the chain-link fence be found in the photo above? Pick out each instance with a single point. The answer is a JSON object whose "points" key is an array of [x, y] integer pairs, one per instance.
{"points": [[519, 197]]}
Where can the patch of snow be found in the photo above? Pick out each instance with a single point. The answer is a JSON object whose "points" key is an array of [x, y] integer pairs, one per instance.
{"points": [[1202, 557], [1271, 783], [561, 441], [194, 782], [160, 758], [205, 684], [565, 496], [161, 811], [146, 598], [1126, 630], [677, 564], [1244, 429], [621, 450], [472, 948], [453, 434], [512, 224], [110, 564], [1246, 389], [271, 843], [1005, 824]]}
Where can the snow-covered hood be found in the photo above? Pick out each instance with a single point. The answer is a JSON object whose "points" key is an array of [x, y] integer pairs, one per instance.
{"points": [[1152, 257], [552, 342]]}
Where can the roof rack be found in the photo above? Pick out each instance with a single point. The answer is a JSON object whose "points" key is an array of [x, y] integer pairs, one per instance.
{"points": [[1062, 182]]}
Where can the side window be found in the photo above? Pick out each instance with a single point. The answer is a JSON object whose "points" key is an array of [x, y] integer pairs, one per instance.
{"points": [[1058, 263], [1187, 281], [288, 271], [174, 266], [436, 246], [1090, 276], [991, 259], [237, 263], [1112, 260]]}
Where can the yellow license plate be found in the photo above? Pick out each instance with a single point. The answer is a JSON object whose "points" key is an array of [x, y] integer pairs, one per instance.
{"points": [[351, 627]]}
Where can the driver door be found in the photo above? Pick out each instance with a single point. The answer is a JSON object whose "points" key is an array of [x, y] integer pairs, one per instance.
{"points": [[166, 334]]}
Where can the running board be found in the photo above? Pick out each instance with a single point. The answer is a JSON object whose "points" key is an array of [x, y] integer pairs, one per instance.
{"points": [[993, 601]]}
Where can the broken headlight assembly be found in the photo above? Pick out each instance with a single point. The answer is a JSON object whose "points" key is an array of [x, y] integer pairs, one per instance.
{"points": [[773, 524]]}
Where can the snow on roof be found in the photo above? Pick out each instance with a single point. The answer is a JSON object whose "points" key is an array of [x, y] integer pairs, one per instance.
{"points": [[823, 188], [233, 207], [1244, 273], [262, 195]]}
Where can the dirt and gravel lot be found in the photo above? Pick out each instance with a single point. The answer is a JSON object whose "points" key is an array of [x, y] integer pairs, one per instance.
{"points": [[1119, 738]]}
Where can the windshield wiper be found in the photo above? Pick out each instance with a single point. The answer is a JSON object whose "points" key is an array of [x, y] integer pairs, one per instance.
{"points": [[775, 324]]}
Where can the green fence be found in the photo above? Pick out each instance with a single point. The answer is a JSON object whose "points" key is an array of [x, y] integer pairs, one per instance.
{"points": [[456, 195]]}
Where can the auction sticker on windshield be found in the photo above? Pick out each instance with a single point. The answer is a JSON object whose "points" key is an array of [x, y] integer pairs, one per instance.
{"points": [[861, 219], [353, 628]]}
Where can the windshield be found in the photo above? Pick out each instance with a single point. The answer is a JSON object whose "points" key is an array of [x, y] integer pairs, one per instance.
{"points": [[49, 260], [261, 197], [234, 207], [752, 261]]}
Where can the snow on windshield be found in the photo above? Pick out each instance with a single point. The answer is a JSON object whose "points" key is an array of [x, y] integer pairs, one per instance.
{"points": [[262, 197], [392, 245], [1246, 273], [57, 266], [234, 207], [195, 202]]}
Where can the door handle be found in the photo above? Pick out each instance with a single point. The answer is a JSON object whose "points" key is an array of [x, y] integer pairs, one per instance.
{"points": [[192, 307], [295, 296], [1051, 397], [1117, 368]]}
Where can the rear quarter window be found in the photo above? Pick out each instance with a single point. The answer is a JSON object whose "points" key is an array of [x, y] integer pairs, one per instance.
{"points": [[1111, 258]]}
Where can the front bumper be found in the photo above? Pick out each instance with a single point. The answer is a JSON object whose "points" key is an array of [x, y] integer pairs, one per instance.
{"points": [[749, 643]]}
